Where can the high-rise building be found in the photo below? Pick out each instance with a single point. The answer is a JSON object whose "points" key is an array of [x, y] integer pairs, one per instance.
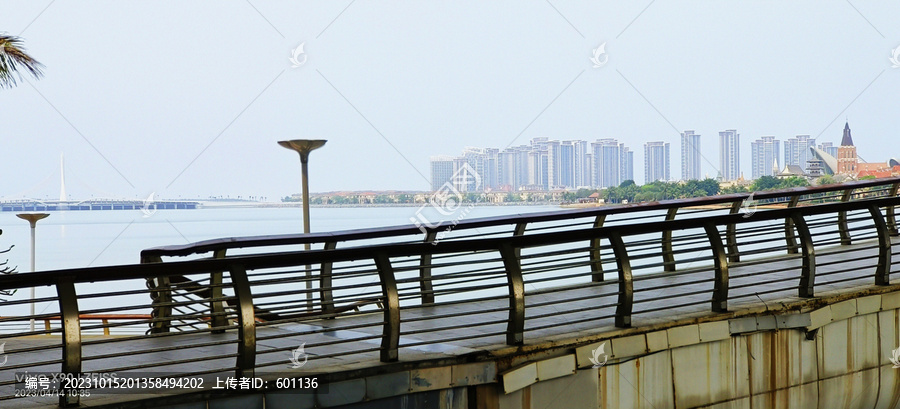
{"points": [[613, 163], [656, 161], [847, 161], [567, 164], [626, 172], [764, 156], [442, 170], [797, 152], [729, 155], [829, 148], [690, 155], [588, 178], [553, 165], [582, 169]]}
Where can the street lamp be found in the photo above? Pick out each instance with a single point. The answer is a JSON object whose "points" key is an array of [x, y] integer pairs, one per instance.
{"points": [[304, 147], [32, 219]]}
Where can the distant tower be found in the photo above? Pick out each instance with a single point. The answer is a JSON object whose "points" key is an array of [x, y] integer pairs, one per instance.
{"points": [[847, 159], [62, 178]]}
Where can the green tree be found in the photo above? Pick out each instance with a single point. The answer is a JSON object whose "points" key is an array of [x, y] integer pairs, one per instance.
{"points": [[825, 180], [13, 58], [766, 183], [709, 186]]}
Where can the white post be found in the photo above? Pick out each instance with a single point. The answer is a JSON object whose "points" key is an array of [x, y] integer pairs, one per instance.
{"points": [[32, 220]]}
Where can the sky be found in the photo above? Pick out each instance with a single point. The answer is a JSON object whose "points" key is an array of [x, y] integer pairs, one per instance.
{"points": [[188, 99]]}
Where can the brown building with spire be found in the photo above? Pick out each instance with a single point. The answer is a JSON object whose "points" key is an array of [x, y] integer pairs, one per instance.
{"points": [[847, 161]]}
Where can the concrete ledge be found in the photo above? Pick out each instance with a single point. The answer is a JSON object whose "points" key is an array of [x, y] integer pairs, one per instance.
{"points": [[583, 354], [519, 378], [428, 379], [629, 346], [683, 336], [556, 367], [474, 374]]}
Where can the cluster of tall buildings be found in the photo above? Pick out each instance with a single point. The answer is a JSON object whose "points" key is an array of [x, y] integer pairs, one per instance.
{"points": [[547, 164], [766, 158]]}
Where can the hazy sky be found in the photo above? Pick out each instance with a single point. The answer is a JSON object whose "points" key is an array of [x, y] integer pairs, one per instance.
{"points": [[189, 98]]}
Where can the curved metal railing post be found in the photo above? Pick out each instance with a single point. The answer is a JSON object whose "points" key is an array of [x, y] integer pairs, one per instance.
{"points": [[626, 286], [667, 254], [594, 252], [425, 284], [246, 359], [325, 283], [515, 327], [843, 227], [161, 296], [891, 217], [789, 236], [217, 308], [390, 341], [71, 334], [720, 258], [883, 270], [808, 269], [731, 233], [519, 230]]}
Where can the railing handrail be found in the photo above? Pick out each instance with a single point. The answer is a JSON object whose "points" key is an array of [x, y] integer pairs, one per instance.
{"points": [[207, 246], [296, 258]]}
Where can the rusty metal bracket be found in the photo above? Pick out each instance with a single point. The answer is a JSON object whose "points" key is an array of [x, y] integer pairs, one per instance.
{"points": [[246, 359], [843, 227], [883, 270], [390, 342], [808, 270], [667, 253], [731, 234], [216, 305], [626, 286], [71, 334], [515, 329], [325, 282], [596, 261], [425, 284], [789, 236], [891, 216], [720, 258]]}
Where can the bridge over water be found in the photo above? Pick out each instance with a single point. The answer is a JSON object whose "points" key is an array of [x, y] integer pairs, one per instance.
{"points": [[779, 300]]}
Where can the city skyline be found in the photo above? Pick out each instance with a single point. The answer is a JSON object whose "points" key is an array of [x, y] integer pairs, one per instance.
{"points": [[390, 86], [549, 164]]}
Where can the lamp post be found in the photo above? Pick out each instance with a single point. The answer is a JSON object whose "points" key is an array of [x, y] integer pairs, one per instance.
{"points": [[32, 219], [304, 147]]}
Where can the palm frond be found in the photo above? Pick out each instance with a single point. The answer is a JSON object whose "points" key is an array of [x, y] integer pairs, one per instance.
{"points": [[13, 58]]}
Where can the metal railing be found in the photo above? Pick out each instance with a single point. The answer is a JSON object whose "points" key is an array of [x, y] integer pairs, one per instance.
{"points": [[489, 282]]}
